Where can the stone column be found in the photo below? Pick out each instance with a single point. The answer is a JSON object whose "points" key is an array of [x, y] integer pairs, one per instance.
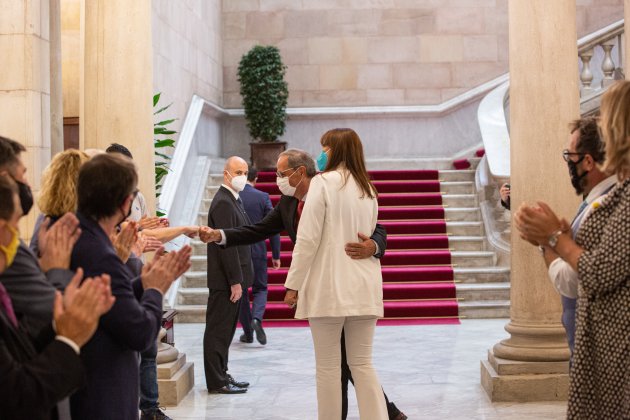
{"points": [[117, 82], [531, 364], [25, 86], [56, 87]]}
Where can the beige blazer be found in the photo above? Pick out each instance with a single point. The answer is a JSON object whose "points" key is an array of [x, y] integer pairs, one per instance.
{"points": [[329, 283]]}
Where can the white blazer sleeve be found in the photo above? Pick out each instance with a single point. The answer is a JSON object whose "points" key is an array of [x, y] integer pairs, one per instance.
{"points": [[309, 234]]}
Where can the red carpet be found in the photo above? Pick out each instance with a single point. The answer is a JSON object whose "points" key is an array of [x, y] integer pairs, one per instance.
{"points": [[418, 285]]}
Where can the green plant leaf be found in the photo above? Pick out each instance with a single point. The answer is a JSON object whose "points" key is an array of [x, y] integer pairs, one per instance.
{"points": [[156, 98], [165, 143], [166, 122], [164, 108]]}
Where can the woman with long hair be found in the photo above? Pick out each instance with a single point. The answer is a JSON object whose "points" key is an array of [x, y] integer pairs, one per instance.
{"points": [[58, 192], [600, 371], [336, 292]]}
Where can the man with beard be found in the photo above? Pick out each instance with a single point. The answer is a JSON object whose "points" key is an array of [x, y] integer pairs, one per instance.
{"points": [[584, 154]]}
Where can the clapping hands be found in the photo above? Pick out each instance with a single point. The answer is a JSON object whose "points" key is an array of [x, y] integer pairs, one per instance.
{"points": [[56, 241]]}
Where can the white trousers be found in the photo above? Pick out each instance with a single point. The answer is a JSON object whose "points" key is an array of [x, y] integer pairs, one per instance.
{"points": [[359, 334]]}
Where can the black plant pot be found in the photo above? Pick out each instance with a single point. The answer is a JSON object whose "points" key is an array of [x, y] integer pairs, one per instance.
{"points": [[264, 156]]}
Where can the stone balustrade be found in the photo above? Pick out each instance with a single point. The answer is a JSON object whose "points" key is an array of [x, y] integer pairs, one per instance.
{"points": [[601, 59]]}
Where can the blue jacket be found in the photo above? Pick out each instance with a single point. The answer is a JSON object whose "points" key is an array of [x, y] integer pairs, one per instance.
{"points": [[257, 205], [110, 358]]}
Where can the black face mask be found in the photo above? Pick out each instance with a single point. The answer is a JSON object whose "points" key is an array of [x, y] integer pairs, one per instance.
{"points": [[578, 181], [26, 197]]}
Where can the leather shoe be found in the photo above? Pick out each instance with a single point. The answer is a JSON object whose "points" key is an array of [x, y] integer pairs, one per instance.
{"points": [[228, 389], [232, 381], [245, 339], [261, 337]]}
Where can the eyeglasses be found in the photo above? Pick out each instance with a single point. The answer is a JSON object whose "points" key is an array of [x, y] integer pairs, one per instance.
{"points": [[566, 155], [280, 174]]}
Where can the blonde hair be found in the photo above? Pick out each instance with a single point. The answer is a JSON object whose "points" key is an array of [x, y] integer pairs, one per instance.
{"points": [[58, 194], [615, 127]]}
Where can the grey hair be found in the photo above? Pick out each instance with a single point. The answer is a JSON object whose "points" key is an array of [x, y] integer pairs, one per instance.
{"points": [[297, 157]]}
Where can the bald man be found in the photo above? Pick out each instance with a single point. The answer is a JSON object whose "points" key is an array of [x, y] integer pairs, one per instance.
{"points": [[230, 273]]}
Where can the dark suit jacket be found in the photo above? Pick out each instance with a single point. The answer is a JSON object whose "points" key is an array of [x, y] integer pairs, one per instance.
{"points": [[33, 292], [228, 266], [131, 326], [257, 205], [282, 218], [35, 374]]}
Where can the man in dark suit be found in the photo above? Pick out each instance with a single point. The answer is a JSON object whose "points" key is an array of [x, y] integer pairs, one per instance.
{"points": [[257, 205], [39, 371], [106, 189], [230, 273], [31, 282], [295, 169]]}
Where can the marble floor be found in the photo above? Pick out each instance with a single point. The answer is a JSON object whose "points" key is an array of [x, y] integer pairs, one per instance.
{"points": [[430, 372]]}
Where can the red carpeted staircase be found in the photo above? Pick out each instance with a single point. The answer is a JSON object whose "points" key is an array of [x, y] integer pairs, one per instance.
{"points": [[436, 268], [418, 281]]}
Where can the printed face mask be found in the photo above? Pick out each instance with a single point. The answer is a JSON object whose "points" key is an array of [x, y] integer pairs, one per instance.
{"points": [[578, 181]]}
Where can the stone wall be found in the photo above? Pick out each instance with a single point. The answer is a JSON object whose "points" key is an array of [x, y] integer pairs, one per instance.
{"points": [[380, 52], [187, 53]]}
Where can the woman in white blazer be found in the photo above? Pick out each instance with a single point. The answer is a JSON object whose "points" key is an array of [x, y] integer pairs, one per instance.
{"points": [[336, 292]]}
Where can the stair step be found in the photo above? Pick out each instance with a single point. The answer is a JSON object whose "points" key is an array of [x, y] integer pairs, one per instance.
{"points": [[408, 213], [447, 200], [461, 275], [391, 292], [482, 274], [483, 291], [398, 258], [397, 309], [457, 175], [485, 309]]}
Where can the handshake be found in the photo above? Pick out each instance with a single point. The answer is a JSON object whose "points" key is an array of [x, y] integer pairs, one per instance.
{"points": [[207, 234]]}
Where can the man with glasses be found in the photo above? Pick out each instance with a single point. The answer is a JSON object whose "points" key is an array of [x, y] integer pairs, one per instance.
{"points": [[295, 169], [584, 154]]}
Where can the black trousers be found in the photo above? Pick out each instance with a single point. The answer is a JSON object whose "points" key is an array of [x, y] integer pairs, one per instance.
{"points": [[346, 376], [221, 317]]}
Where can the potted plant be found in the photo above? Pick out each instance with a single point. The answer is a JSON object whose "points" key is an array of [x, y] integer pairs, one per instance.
{"points": [[265, 93]]}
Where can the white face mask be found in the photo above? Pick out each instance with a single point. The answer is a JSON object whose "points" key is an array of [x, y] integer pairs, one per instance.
{"points": [[238, 182], [284, 185]]}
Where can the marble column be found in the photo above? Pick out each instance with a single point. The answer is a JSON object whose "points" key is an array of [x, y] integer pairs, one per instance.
{"points": [[532, 363], [25, 86], [116, 87], [56, 87]]}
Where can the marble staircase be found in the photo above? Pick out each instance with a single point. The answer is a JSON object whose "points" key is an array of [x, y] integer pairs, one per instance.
{"points": [[482, 287]]}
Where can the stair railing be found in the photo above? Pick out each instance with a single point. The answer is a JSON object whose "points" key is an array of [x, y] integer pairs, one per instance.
{"points": [[597, 71]]}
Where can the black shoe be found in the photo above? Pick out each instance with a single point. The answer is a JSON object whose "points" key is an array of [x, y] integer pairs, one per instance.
{"points": [[228, 389], [232, 381], [245, 339], [261, 337], [154, 414]]}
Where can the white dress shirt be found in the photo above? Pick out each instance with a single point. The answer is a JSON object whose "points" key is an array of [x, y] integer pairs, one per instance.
{"points": [[562, 276]]}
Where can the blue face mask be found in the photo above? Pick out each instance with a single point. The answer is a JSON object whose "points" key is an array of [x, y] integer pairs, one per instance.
{"points": [[322, 160]]}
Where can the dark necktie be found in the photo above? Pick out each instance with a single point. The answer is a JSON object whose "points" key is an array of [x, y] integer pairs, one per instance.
{"points": [[6, 306], [298, 214]]}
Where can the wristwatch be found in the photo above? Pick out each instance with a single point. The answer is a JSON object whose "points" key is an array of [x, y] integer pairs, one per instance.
{"points": [[553, 238]]}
